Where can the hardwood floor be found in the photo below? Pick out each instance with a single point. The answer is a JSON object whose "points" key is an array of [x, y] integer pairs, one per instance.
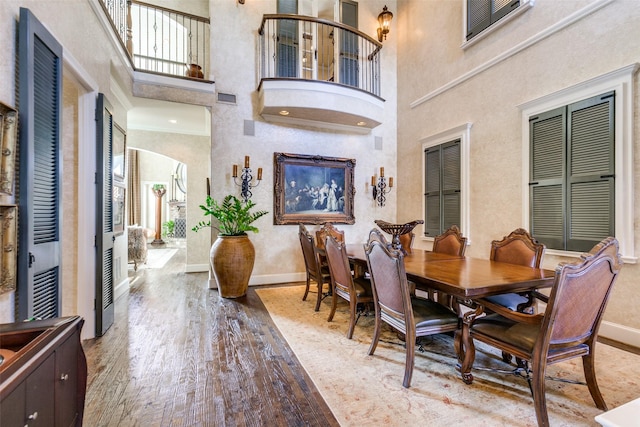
{"points": [[178, 355]]}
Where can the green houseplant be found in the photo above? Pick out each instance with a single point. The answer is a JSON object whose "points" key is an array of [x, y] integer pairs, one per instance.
{"points": [[232, 255]]}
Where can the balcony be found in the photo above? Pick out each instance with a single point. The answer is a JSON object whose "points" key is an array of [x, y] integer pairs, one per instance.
{"points": [[315, 72]]}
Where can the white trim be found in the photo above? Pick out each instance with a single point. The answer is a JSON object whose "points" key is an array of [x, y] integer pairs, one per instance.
{"points": [[115, 40], [121, 289], [558, 26], [620, 333], [175, 82], [196, 268], [524, 6], [620, 81], [267, 279], [86, 192], [462, 132]]}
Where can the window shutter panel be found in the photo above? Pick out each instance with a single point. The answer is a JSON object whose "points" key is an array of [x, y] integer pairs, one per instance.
{"points": [[502, 8], [450, 185], [287, 40], [478, 16], [546, 181], [591, 169], [432, 192]]}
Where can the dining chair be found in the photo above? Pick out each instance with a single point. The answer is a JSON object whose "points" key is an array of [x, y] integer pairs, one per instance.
{"points": [[413, 317], [356, 291], [314, 271], [450, 242], [519, 247], [568, 328], [327, 229]]}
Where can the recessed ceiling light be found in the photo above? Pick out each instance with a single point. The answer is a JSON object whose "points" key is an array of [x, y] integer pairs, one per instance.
{"points": [[361, 123], [174, 121], [284, 113]]}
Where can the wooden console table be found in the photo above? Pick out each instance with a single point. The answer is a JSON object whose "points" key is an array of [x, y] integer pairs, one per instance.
{"points": [[43, 374]]}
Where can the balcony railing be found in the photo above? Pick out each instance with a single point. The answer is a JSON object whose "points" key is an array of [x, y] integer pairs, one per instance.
{"points": [[309, 48], [161, 40]]}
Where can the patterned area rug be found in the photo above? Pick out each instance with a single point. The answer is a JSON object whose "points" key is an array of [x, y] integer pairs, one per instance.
{"points": [[367, 390]]}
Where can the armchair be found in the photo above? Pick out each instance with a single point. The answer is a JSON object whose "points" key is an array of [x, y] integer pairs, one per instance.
{"points": [[568, 328], [314, 270]]}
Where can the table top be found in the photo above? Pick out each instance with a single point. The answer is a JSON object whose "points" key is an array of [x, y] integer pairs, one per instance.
{"points": [[465, 277]]}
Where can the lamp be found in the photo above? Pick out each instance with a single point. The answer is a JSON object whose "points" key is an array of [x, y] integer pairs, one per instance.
{"points": [[380, 187], [246, 179], [384, 19]]}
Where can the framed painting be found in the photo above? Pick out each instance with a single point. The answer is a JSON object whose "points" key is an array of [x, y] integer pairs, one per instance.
{"points": [[313, 189], [119, 191], [8, 137], [119, 152]]}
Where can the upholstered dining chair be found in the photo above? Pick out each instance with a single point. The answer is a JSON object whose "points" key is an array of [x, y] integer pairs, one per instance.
{"points": [[327, 229], [413, 317], [568, 328], [312, 265], [357, 291], [450, 242], [519, 247]]}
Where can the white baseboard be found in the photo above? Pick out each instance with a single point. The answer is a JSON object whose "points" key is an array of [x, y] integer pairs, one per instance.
{"points": [[121, 289], [268, 279], [620, 333], [196, 268]]}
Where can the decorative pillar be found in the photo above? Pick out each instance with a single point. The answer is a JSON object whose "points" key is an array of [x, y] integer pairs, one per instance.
{"points": [[159, 191]]}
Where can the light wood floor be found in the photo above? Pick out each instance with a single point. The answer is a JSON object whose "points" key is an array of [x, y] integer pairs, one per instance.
{"points": [[178, 355]]}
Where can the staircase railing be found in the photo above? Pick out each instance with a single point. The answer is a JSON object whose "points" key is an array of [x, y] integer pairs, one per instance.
{"points": [[161, 40], [309, 48]]}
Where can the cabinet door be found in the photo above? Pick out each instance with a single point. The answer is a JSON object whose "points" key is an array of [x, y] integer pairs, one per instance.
{"points": [[12, 409], [67, 382], [39, 395]]}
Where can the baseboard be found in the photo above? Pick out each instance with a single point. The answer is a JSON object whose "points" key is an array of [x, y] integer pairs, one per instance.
{"points": [[268, 279], [196, 268], [620, 333], [121, 289]]}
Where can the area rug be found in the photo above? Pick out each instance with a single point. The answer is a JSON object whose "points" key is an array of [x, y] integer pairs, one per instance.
{"points": [[157, 258], [367, 390]]}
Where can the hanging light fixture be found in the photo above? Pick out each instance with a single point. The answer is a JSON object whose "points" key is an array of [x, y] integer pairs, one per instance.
{"points": [[384, 19]]}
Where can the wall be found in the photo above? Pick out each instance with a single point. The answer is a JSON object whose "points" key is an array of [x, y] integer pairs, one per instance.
{"points": [[430, 58]]}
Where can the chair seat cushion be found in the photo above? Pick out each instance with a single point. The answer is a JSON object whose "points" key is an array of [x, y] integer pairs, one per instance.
{"points": [[521, 335], [511, 301], [362, 287], [429, 313]]}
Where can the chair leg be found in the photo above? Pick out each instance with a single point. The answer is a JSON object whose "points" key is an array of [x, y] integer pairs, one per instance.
{"points": [[352, 317], [334, 304], [539, 398], [376, 333], [306, 291], [320, 296], [410, 346], [588, 363]]}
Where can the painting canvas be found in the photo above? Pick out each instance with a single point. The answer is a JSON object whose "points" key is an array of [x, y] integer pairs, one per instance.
{"points": [[313, 189], [119, 191], [119, 150]]}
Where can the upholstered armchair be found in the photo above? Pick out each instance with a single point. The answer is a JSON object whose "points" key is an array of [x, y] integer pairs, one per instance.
{"points": [[137, 252]]}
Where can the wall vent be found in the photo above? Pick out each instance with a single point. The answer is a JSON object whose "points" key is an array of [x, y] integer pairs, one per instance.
{"points": [[228, 98], [378, 143], [249, 128]]}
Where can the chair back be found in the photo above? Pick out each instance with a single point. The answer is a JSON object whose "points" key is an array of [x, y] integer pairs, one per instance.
{"points": [[310, 254], [389, 282], [328, 229], [406, 240], [580, 294], [519, 247], [338, 266], [450, 242]]}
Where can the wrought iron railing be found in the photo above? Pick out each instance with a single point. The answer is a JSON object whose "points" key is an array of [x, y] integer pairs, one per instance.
{"points": [[161, 40], [309, 48]]}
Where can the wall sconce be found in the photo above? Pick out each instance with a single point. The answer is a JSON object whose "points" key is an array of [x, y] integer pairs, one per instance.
{"points": [[246, 179], [380, 188], [384, 19]]}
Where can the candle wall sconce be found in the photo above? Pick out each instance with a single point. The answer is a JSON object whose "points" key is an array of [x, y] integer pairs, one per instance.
{"points": [[380, 187], [246, 179]]}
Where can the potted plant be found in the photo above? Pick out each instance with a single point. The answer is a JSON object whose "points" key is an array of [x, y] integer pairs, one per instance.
{"points": [[232, 254]]}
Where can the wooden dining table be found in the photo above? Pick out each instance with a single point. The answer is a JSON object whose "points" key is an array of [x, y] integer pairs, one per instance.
{"points": [[465, 278]]}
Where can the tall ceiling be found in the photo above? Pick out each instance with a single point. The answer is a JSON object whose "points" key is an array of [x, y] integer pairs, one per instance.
{"points": [[164, 116]]}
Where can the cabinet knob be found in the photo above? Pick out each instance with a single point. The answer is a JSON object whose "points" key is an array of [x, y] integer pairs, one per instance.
{"points": [[64, 377], [33, 416]]}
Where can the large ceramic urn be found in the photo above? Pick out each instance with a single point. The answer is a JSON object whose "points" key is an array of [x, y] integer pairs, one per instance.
{"points": [[232, 259]]}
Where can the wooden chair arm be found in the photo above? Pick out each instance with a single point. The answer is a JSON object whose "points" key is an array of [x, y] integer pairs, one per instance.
{"points": [[516, 316]]}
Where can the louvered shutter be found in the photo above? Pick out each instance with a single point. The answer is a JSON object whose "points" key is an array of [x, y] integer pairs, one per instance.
{"points": [[450, 185], [40, 83], [432, 191], [547, 177], [481, 14], [287, 55], [591, 170]]}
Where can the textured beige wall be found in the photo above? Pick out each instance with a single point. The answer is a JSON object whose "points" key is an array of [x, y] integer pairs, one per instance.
{"points": [[430, 57]]}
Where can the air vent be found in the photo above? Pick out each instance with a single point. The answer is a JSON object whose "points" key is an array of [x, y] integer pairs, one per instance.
{"points": [[228, 98], [249, 128]]}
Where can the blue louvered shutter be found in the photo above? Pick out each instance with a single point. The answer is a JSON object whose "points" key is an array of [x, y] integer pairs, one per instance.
{"points": [[481, 14], [442, 187], [287, 46]]}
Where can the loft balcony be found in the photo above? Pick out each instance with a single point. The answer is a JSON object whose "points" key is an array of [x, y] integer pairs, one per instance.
{"points": [[316, 72]]}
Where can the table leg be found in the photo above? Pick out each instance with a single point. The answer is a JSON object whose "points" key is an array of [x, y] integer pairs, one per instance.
{"points": [[464, 346]]}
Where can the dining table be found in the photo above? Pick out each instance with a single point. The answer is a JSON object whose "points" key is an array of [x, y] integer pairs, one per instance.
{"points": [[467, 279]]}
